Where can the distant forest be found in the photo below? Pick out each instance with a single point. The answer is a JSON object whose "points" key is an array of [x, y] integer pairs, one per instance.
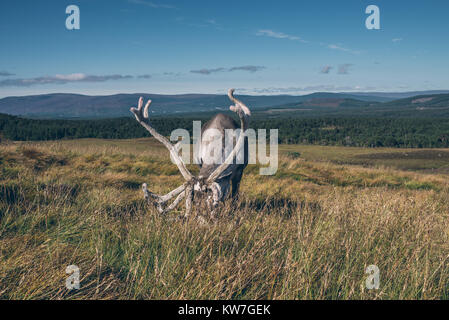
{"points": [[360, 132]]}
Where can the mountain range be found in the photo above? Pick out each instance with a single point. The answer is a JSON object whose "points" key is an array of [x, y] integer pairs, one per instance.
{"points": [[76, 106]]}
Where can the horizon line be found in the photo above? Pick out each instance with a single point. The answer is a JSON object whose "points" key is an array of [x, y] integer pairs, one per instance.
{"points": [[219, 94]]}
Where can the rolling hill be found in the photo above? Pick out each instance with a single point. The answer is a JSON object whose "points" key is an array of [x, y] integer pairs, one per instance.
{"points": [[75, 106], [66, 106], [424, 106]]}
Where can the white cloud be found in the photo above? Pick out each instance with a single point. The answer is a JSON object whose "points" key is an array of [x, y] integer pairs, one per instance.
{"points": [[70, 77], [248, 68], [308, 89], [281, 35], [61, 79], [341, 48], [278, 35]]}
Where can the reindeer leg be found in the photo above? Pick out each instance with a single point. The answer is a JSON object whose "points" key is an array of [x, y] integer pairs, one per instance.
{"points": [[236, 183]]}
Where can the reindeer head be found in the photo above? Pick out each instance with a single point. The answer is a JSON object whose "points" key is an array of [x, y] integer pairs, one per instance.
{"points": [[213, 181]]}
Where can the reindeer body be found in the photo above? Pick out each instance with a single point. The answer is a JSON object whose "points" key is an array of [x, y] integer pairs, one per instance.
{"points": [[232, 176]]}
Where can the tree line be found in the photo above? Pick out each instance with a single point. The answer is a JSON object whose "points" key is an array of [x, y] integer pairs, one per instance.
{"points": [[360, 132]]}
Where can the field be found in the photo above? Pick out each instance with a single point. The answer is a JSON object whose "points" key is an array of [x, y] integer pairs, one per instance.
{"points": [[308, 232]]}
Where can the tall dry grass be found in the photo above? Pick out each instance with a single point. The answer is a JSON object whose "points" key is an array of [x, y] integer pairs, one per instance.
{"points": [[309, 232]]}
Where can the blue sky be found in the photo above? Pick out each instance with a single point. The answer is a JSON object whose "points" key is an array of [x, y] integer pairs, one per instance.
{"points": [[259, 47]]}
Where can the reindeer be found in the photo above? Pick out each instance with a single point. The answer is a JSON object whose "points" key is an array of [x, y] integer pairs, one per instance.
{"points": [[214, 180]]}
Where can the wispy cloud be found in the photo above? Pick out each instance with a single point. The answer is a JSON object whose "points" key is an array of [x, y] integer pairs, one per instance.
{"points": [[301, 90], [208, 23], [6, 74], [144, 76], [344, 68], [341, 48], [174, 74], [326, 69], [278, 35], [61, 79], [248, 68], [207, 71], [212, 22], [281, 35], [152, 4], [396, 39]]}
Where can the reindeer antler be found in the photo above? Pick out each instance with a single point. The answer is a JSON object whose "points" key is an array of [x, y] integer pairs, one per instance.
{"points": [[143, 119], [160, 201], [180, 192]]}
